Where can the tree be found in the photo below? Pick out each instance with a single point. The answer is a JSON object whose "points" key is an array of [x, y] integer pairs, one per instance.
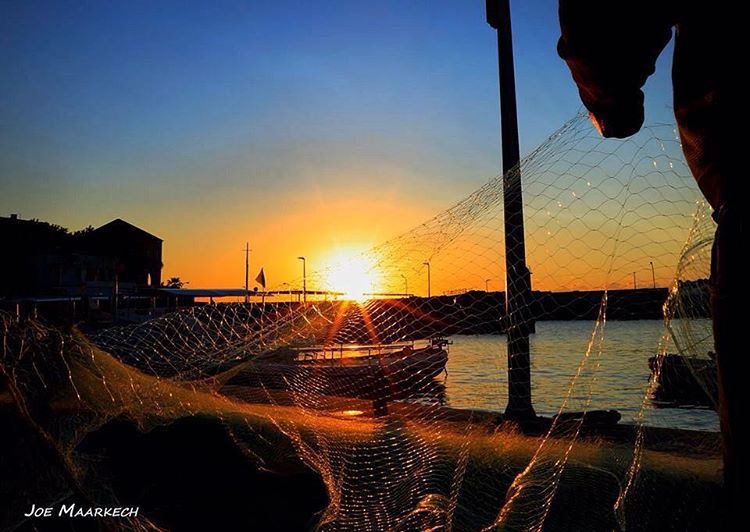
{"points": [[174, 282]]}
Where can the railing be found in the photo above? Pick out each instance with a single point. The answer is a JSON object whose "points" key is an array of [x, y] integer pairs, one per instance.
{"points": [[349, 351], [342, 351]]}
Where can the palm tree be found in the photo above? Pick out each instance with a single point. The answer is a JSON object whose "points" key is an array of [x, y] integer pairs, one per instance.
{"points": [[174, 282]]}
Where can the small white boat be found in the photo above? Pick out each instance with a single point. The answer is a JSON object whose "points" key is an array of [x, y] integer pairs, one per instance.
{"points": [[365, 371]]}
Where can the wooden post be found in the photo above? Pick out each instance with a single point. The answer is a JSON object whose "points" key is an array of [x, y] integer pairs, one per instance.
{"points": [[518, 296]]}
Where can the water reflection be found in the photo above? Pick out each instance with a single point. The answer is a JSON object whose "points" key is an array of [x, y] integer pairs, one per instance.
{"points": [[477, 368]]}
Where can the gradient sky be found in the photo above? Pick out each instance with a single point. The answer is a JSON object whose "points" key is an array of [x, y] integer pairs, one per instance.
{"points": [[304, 127]]}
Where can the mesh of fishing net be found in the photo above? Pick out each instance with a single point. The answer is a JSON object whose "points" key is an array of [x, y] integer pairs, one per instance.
{"points": [[356, 390]]}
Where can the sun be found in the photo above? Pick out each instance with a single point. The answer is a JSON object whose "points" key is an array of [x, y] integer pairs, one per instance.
{"points": [[352, 274]]}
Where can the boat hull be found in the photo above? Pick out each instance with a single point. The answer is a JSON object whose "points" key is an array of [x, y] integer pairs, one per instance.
{"points": [[391, 376], [682, 382]]}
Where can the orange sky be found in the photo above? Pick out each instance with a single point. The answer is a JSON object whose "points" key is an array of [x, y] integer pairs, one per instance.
{"points": [[319, 228]]}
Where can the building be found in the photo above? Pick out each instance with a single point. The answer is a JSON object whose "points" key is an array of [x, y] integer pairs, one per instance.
{"points": [[40, 259], [134, 254]]}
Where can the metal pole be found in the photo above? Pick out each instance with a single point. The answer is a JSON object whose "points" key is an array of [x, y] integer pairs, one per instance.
{"points": [[429, 281], [518, 295], [116, 303], [406, 285], [304, 279], [653, 274], [247, 270], [487, 285]]}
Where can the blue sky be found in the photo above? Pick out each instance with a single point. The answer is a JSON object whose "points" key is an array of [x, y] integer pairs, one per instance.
{"points": [[187, 117]]}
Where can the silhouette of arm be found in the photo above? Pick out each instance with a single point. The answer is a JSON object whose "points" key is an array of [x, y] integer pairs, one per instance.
{"points": [[611, 49]]}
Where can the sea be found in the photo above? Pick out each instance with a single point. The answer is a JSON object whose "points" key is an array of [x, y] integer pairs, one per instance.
{"points": [[615, 377]]}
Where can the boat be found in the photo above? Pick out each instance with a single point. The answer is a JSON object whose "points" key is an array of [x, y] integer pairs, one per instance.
{"points": [[684, 381], [362, 371]]}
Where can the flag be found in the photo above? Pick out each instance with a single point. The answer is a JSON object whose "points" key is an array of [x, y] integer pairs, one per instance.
{"points": [[261, 279]]}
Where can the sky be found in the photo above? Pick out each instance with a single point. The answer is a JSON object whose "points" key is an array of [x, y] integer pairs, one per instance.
{"points": [[305, 128]]}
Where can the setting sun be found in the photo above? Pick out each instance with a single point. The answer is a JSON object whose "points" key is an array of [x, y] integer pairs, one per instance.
{"points": [[352, 274]]}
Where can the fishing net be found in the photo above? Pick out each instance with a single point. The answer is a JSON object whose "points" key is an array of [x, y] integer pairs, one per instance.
{"points": [[391, 401]]}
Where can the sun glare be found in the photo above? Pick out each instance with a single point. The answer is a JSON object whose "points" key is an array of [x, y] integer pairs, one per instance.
{"points": [[352, 274]]}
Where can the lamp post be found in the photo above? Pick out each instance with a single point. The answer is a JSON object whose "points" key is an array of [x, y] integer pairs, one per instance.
{"points": [[247, 271], [487, 285], [653, 274], [427, 263], [304, 279], [406, 285], [518, 295]]}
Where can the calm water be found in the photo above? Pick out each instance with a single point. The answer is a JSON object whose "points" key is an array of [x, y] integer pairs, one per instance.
{"points": [[477, 372]]}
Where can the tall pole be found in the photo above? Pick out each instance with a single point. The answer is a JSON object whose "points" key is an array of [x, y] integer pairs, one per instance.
{"points": [[247, 271], [429, 281], [304, 279], [406, 285], [115, 302], [487, 285], [653, 274], [518, 296]]}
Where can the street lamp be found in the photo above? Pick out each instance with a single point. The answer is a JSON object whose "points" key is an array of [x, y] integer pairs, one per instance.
{"points": [[487, 285], [247, 272], [304, 279], [427, 263], [653, 274], [406, 285]]}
